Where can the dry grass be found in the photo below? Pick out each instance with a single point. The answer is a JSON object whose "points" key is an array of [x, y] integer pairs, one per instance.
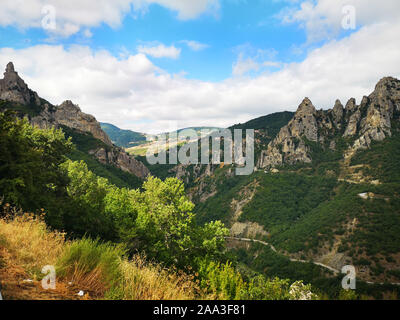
{"points": [[30, 243], [26, 245], [146, 281]]}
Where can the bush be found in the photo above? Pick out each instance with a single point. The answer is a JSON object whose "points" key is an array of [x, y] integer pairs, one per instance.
{"points": [[92, 264]]}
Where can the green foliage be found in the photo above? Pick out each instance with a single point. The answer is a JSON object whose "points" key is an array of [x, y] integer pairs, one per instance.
{"points": [[84, 141], [166, 225], [29, 163], [113, 174], [219, 206], [383, 159], [86, 256], [282, 199], [272, 122], [222, 280], [85, 213], [31, 110]]}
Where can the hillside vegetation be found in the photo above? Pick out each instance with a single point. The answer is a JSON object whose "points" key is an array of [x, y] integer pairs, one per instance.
{"points": [[116, 243]]}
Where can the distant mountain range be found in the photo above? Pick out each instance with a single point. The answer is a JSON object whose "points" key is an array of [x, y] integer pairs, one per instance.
{"points": [[123, 138]]}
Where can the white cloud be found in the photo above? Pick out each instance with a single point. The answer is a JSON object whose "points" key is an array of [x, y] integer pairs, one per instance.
{"points": [[243, 66], [132, 92], [73, 15], [160, 51], [195, 45], [322, 19], [187, 9], [253, 60]]}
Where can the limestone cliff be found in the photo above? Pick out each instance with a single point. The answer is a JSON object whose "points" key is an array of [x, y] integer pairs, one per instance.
{"points": [[362, 124], [14, 89]]}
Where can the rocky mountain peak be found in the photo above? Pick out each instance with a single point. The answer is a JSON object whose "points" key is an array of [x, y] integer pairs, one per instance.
{"points": [[10, 68], [69, 105], [306, 107], [67, 114], [351, 105], [367, 122], [338, 109], [387, 83], [13, 88]]}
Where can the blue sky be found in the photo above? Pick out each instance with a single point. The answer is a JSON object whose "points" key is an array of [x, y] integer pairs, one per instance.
{"points": [[236, 27], [144, 64]]}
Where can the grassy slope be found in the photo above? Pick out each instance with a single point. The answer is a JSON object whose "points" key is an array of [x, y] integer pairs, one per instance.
{"points": [[99, 269]]}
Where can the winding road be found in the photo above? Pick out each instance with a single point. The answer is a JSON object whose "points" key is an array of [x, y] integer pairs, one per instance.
{"points": [[335, 271]]}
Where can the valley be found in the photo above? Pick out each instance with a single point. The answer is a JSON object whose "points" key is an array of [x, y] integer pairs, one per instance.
{"points": [[324, 192]]}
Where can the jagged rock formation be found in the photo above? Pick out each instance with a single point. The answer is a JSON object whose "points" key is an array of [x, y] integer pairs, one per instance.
{"points": [[364, 123], [14, 89]]}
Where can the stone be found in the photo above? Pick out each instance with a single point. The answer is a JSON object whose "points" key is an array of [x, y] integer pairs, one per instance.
{"points": [[13, 88], [370, 121]]}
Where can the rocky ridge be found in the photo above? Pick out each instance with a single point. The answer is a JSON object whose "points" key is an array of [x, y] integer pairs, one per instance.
{"points": [[360, 124], [14, 89]]}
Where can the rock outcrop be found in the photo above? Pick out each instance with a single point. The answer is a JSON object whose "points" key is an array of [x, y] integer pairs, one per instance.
{"points": [[122, 160], [14, 89], [364, 123]]}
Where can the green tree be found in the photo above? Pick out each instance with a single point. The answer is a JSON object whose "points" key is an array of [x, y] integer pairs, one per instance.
{"points": [[29, 164], [166, 225]]}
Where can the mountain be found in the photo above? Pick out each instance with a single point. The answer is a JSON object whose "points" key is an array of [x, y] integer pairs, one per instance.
{"points": [[123, 138], [325, 190], [361, 124], [92, 142]]}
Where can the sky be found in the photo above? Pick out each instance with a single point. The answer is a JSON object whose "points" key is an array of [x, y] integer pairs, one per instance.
{"points": [[154, 65]]}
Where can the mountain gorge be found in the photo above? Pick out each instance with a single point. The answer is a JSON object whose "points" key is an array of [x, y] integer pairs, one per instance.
{"points": [[324, 192], [325, 189]]}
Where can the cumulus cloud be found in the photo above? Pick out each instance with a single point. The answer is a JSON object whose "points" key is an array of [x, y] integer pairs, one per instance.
{"points": [[133, 93], [160, 51], [244, 66], [73, 15], [252, 60], [195, 45], [187, 9], [322, 19]]}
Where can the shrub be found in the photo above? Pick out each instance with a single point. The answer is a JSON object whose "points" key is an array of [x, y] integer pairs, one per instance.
{"points": [[92, 264]]}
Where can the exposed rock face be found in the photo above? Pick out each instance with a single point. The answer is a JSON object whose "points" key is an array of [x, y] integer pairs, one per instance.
{"points": [[13, 88], [337, 114], [122, 160], [288, 146], [70, 115], [367, 122]]}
